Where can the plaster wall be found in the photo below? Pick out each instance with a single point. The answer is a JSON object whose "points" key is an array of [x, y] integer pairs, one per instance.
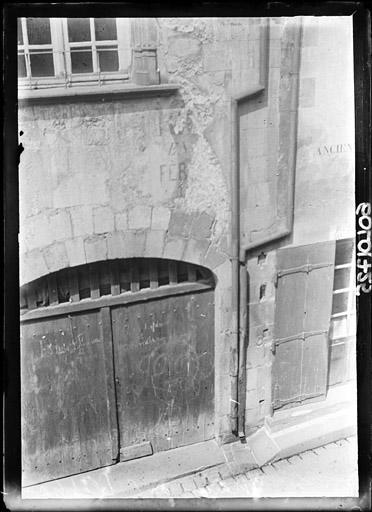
{"points": [[325, 174]]}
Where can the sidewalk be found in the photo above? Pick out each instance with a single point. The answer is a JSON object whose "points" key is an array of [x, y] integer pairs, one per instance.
{"points": [[200, 465], [330, 471]]}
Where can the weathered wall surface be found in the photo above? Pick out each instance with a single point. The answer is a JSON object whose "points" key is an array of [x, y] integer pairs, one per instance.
{"points": [[154, 170], [324, 204], [324, 184], [145, 177], [151, 177]]}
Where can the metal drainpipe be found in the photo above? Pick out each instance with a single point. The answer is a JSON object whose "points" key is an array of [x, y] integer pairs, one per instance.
{"points": [[235, 351], [239, 268]]}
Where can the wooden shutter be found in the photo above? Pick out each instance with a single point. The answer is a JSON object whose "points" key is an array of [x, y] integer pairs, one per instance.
{"points": [[302, 317], [145, 43]]}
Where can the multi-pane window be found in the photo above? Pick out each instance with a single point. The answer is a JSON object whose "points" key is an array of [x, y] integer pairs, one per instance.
{"points": [[66, 50], [343, 319], [35, 49], [92, 45]]}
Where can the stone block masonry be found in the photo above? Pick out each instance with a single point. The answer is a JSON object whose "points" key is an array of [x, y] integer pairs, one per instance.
{"points": [[151, 177]]}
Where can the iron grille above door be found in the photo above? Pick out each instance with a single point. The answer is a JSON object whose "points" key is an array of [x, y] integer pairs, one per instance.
{"points": [[112, 278]]}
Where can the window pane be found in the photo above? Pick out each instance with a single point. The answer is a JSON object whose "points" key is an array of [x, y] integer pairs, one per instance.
{"points": [[338, 328], [42, 64], [105, 29], [38, 30], [338, 368], [339, 302], [344, 251], [108, 60], [342, 278], [78, 29], [81, 61], [22, 72], [19, 31]]}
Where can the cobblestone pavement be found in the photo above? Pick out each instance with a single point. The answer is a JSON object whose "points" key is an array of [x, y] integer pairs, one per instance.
{"points": [[330, 470]]}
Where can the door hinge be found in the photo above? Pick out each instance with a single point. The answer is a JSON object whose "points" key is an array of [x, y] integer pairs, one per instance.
{"points": [[303, 268], [298, 336]]}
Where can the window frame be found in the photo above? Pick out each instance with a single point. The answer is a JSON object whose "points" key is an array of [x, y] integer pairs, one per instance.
{"points": [[346, 334], [61, 51], [349, 313]]}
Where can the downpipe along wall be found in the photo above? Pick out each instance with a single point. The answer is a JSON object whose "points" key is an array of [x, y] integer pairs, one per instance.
{"points": [[240, 252]]}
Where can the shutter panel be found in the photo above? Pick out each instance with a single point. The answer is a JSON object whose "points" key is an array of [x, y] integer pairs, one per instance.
{"points": [[145, 43], [302, 317]]}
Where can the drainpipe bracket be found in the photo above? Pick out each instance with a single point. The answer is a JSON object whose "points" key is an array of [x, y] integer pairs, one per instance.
{"points": [[242, 437]]}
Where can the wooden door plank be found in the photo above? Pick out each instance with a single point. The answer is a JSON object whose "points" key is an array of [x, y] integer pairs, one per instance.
{"points": [[164, 360], [65, 415], [110, 381]]}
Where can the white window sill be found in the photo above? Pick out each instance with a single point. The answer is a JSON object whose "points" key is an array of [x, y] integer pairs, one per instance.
{"points": [[87, 92]]}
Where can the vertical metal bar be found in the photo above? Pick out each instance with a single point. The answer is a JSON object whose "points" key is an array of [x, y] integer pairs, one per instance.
{"points": [[73, 285], [105, 278], [191, 273], [124, 278], [52, 289], [242, 384], [153, 272], [235, 235], [94, 281], [134, 277], [22, 298], [172, 269], [31, 297], [115, 278]]}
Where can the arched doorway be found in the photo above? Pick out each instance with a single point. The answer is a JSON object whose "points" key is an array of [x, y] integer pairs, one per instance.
{"points": [[117, 363]]}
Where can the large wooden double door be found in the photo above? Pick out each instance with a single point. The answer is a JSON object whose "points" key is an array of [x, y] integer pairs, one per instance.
{"points": [[118, 376]]}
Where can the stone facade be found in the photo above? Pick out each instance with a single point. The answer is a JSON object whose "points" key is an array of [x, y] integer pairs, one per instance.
{"points": [[151, 177]]}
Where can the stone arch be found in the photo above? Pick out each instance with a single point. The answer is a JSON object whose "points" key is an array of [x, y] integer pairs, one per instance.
{"points": [[148, 243]]}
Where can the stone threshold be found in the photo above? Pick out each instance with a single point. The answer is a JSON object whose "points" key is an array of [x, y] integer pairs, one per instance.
{"points": [[127, 478]]}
